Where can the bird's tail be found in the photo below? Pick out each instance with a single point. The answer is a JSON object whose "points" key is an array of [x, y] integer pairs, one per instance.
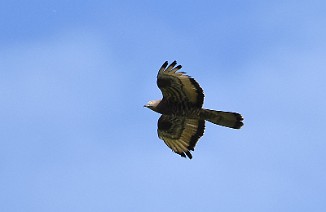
{"points": [[226, 119]]}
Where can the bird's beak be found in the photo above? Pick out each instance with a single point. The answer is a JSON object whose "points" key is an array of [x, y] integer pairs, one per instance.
{"points": [[145, 105]]}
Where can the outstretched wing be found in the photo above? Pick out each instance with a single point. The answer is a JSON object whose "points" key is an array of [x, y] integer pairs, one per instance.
{"points": [[177, 87], [179, 133]]}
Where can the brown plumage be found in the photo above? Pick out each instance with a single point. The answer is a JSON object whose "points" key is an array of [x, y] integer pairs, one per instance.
{"points": [[183, 119], [180, 133]]}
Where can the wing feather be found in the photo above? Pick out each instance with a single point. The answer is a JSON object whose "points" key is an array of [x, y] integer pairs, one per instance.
{"points": [[170, 67], [178, 87], [180, 134]]}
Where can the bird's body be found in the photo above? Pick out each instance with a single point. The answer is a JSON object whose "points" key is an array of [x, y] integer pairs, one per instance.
{"points": [[178, 109], [183, 119]]}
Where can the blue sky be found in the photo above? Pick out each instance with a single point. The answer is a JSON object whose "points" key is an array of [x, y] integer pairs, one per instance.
{"points": [[74, 76]]}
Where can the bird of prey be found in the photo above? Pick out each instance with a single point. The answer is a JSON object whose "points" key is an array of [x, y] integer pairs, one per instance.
{"points": [[182, 121]]}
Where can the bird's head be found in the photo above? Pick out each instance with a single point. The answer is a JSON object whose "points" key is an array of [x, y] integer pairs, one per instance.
{"points": [[152, 104]]}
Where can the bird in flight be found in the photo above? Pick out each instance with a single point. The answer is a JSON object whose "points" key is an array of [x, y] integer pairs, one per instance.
{"points": [[182, 122]]}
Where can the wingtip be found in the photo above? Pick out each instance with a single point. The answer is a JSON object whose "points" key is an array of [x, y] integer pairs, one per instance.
{"points": [[163, 67], [189, 155], [185, 154], [165, 64]]}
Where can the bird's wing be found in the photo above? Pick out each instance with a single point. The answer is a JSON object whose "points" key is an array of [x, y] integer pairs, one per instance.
{"points": [[178, 87], [179, 133]]}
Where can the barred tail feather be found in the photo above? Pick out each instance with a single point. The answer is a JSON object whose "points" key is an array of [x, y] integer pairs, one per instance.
{"points": [[226, 119]]}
